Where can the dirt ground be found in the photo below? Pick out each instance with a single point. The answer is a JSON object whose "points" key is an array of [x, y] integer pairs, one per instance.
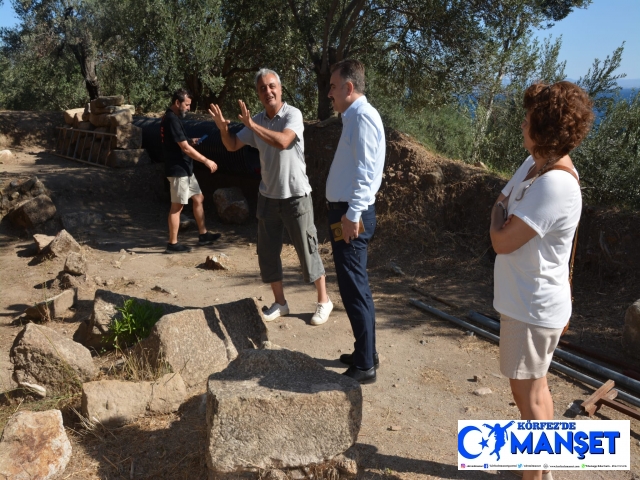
{"points": [[425, 381]]}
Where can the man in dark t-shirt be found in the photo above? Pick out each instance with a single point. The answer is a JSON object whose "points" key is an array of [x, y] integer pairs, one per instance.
{"points": [[178, 159]]}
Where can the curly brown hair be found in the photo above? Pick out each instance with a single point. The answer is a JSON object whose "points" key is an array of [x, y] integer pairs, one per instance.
{"points": [[561, 117]]}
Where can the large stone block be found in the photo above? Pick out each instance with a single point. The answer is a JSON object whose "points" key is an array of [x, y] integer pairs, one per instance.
{"points": [[34, 446], [42, 356], [33, 212], [279, 409], [53, 307], [189, 344], [128, 158], [102, 102], [242, 322], [71, 116], [100, 120], [116, 402], [42, 241], [231, 205], [75, 264], [127, 137], [86, 114], [93, 332], [631, 330], [120, 117]]}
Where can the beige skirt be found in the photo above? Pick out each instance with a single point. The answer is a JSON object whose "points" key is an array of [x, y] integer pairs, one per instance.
{"points": [[525, 349]]}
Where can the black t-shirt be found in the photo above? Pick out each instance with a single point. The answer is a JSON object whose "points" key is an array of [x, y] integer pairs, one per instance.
{"points": [[177, 163]]}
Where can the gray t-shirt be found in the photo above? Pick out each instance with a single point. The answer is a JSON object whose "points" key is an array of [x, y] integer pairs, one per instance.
{"points": [[283, 171]]}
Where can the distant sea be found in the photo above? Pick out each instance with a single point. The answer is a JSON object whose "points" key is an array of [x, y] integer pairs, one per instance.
{"points": [[627, 93]]}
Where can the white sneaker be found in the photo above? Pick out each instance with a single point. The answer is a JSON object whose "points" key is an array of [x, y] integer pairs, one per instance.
{"points": [[323, 310], [275, 310]]}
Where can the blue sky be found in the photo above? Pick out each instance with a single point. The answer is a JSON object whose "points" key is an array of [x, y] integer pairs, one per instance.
{"points": [[596, 32], [589, 33]]}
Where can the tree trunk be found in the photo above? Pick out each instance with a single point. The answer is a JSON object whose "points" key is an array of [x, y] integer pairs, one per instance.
{"points": [[325, 109], [87, 67]]}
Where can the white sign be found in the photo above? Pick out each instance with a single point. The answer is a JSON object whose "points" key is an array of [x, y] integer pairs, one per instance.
{"points": [[544, 445]]}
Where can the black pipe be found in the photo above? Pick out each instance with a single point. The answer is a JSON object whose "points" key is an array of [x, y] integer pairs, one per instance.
{"points": [[555, 365]]}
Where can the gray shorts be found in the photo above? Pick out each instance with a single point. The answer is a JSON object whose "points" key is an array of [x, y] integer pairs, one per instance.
{"points": [[526, 350], [296, 215], [183, 188]]}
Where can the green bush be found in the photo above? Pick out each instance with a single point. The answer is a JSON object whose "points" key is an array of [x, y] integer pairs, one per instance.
{"points": [[135, 322]]}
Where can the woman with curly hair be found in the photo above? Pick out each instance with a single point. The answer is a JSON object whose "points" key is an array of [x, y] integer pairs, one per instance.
{"points": [[533, 224]]}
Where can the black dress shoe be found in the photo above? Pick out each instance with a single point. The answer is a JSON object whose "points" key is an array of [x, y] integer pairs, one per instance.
{"points": [[361, 376], [347, 359]]}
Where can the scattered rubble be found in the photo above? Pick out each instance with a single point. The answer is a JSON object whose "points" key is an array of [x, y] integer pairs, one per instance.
{"points": [[34, 446], [33, 212], [251, 421], [481, 392], [62, 245], [215, 263]]}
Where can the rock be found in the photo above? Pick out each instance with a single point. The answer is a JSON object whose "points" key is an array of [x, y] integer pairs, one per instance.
{"points": [[481, 165], [42, 241], [188, 344], [215, 263], [481, 392], [395, 268], [279, 409], [161, 289], [109, 110], [167, 394], [33, 212], [102, 102], [275, 474], [128, 158], [42, 356], [53, 307], [242, 322], [75, 264], [71, 115], [120, 117], [127, 136], [67, 280], [62, 245], [395, 428], [86, 114], [434, 177], [115, 402], [37, 389], [346, 466], [231, 205], [187, 223], [5, 155], [100, 120], [34, 446], [84, 126], [631, 330], [71, 221], [92, 332]]}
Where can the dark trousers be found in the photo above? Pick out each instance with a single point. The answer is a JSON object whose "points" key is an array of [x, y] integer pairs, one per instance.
{"points": [[353, 281]]}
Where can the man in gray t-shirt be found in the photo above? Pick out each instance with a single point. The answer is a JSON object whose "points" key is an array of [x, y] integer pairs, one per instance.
{"points": [[284, 200]]}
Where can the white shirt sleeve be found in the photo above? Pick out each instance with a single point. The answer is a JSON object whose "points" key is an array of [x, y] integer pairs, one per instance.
{"points": [[247, 137], [549, 200], [364, 148], [293, 121]]}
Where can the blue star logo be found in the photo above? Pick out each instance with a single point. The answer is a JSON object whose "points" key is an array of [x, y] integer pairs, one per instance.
{"points": [[484, 443]]}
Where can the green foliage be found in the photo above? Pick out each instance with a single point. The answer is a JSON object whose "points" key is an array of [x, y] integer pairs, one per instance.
{"points": [[134, 323]]}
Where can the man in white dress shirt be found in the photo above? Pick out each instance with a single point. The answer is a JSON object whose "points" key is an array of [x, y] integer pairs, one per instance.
{"points": [[354, 180], [284, 200]]}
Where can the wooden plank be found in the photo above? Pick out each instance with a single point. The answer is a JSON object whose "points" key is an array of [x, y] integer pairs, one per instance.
{"points": [[629, 411], [590, 404]]}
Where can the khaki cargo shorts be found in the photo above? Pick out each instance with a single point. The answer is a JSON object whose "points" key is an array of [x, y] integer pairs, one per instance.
{"points": [[183, 188]]}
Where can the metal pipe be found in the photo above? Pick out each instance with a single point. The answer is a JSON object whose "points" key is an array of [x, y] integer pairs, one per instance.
{"points": [[555, 365], [592, 367]]}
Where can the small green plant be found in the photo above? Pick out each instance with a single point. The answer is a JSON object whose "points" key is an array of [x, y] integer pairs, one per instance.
{"points": [[134, 323]]}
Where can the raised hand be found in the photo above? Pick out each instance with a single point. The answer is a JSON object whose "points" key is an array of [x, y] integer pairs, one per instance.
{"points": [[245, 114], [218, 118]]}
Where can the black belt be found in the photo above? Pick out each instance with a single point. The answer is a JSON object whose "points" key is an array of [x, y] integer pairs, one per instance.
{"points": [[337, 205]]}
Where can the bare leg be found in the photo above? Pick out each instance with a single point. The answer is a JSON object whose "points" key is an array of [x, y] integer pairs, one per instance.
{"points": [[278, 292], [535, 403], [198, 212], [321, 287], [174, 222]]}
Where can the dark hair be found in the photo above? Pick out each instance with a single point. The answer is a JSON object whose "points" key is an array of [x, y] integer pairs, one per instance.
{"points": [[181, 95], [351, 70], [561, 117]]}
